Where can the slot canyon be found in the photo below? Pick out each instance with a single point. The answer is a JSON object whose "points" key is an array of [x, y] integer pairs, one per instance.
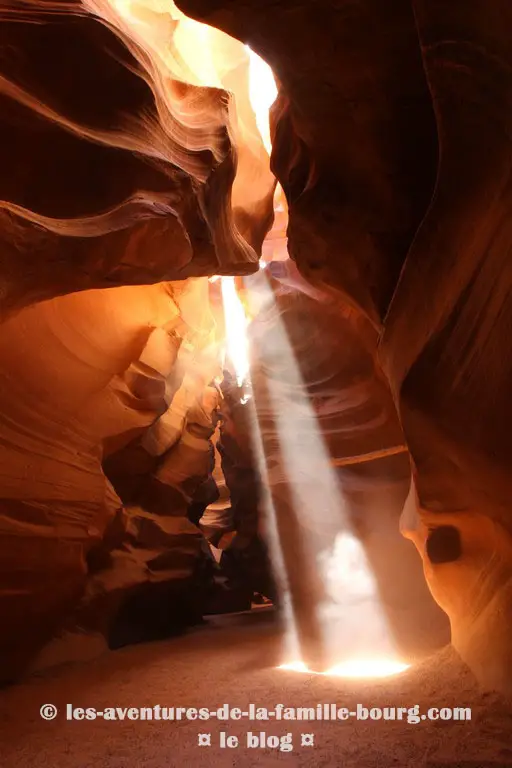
{"points": [[254, 383]]}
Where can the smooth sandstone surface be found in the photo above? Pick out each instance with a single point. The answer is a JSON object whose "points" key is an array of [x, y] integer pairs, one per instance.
{"points": [[391, 142]]}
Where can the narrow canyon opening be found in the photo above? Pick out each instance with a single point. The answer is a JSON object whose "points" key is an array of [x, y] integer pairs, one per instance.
{"points": [[252, 377]]}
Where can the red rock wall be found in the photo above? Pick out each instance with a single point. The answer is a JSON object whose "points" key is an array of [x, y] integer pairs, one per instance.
{"points": [[115, 172], [392, 143], [78, 373]]}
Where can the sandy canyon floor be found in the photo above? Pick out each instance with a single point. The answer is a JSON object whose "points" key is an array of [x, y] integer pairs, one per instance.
{"points": [[234, 662]]}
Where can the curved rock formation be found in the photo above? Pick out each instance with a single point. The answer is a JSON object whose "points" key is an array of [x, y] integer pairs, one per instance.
{"points": [[117, 169], [122, 165], [392, 143], [83, 376], [354, 139]]}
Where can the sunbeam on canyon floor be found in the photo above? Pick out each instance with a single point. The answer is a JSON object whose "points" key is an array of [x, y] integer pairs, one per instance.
{"points": [[342, 631], [357, 668]]}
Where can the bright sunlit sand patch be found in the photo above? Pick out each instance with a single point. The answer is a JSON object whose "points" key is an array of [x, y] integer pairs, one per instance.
{"points": [[294, 666], [367, 668], [357, 668]]}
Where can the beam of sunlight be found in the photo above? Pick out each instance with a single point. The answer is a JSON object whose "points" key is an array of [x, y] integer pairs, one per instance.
{"points": [[237, 351], [236, 327], [356, 637], [291, 644]]}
